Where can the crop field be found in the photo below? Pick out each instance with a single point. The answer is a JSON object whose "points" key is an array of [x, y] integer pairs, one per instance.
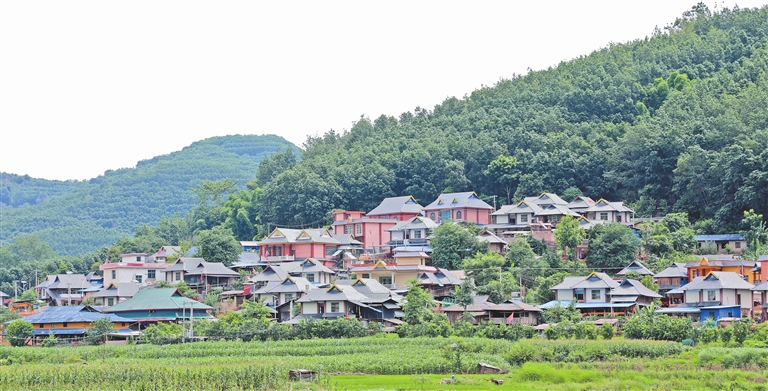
{"points": [[384, 363]]}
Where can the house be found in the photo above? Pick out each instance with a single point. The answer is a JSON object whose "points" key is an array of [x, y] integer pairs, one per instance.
{"points": [[465, 206], [336, 302], [761, 307], [281, 294], [394, 276], [545, 200], [495, 243], [95, 279], [370, 232], [160, 305], [114, 293], [670, 280], [591, 294], [284, 245], [482, 310], [271, 273], [633, 291], [248, 261], [552, 214], [516, 217], [637, 267], [309, 269], [198, 273], [4, 299], [396, 208], [580, 204], [714, 263], [383, 303], [720, 244], [63, 289], [71, 321], [349, 250], [441, 283], [761, 269], [133, 267], [612, 212], [412, 232], [708, 295]]}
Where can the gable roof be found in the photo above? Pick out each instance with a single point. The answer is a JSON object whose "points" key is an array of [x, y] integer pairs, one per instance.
{"points": [[719, 238], [490, 237], [416, 222], [287, 285], [580, 202], [593, 280], [309, 235], [65, 281], [71, 314], [635, 288], [157, 299], [335, 293], [603, 205], [718, 280], [557, 210], [458, 200], [395, 205], [635, 266], [677, 269], [441, 277], [546, 199]]}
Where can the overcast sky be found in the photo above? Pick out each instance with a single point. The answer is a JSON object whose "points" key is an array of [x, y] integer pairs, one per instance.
{"points": [[87, 86]]}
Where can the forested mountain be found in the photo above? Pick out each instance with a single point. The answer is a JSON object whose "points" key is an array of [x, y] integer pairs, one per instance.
{"points": [[79, 216], [674, 122]]}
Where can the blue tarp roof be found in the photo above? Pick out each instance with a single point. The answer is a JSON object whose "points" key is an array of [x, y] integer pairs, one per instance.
{"points": [[717, 238]]}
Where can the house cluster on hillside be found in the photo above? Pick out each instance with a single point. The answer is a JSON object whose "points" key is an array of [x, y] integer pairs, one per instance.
{"points": [[359, 267]]}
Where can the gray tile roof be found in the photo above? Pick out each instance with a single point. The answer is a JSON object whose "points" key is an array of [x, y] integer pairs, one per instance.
{"points": [[580, 203], [631, 287], [593, 280], [557, 210], [718, 280], [120, 289], [441, 277], [270, 273], [458, 200], [395, 205], [546, 199], [676, 270], [287, 285], [334, 293], [417, 222], [606, 206], [636, 266]]}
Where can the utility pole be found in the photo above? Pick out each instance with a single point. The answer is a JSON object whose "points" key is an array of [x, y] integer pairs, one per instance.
{"points": [[494, 202]]}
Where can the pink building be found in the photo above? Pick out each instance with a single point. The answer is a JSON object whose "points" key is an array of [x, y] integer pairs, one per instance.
{"points": [[465, 206], [372, 228], [286, 245]]}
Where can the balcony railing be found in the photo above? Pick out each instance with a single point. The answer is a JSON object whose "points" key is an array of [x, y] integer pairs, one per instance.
{"points": [[280, 258]]}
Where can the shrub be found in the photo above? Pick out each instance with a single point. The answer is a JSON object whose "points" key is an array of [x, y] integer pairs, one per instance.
{"points": [[18, 332], [50, 341], [606, 330]]}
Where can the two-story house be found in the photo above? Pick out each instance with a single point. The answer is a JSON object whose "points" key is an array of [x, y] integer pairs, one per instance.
{"points": [[591, 294], [465, 206], [669, 281], [516, 217], [412, 232], [133, 267], [611, 212], [716, 295], [339, 301], [64, 289], [200, 274], [285, 245], [114, 293], [282, 295]]}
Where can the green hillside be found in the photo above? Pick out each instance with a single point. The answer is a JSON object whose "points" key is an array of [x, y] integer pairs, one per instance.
{"points": [[674, 122], [76, 217]]}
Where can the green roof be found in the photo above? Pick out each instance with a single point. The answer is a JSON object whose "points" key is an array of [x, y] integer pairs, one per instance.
{"points": [[157, 299]]}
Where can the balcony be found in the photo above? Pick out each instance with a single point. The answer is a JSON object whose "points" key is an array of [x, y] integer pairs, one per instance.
{"points": [[280, 258]]}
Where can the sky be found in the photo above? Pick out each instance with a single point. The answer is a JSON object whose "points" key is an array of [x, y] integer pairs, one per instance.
{"points": [[90, 86]]}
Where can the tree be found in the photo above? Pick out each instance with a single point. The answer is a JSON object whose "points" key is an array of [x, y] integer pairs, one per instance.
{"points": [[98, 331], [29, 294], [504, 172], [300, 197], [18, 332], [242, 213], [219, 245], [525, 264], [452, 243], [464, 294], [756, 234], [418, 304], [569, 233], [611, 246]]}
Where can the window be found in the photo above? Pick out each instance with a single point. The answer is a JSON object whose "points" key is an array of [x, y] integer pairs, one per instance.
{"points": [[711, 295], [138, 259], [114, 274], [111, 301], [604, 216], [329, 250], [150, 274], [445, 215], [432, 216], [738, 244], [618, 218], [63, 325], [278, 251], [523, 218], [310, 277], [366, 275], [417, 234], [385, 280], [178, 276], [595, 294], [288, 297], [335, 306], [458, 215], [359, 229], [138, 278], [348, 229]]}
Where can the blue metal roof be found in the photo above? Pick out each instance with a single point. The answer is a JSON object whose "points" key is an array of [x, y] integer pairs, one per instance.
{"points": [[718, 238], [71, 314]]}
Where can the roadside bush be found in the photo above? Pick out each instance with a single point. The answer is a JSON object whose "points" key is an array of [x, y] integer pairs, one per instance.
{"points": [[606, 330]]}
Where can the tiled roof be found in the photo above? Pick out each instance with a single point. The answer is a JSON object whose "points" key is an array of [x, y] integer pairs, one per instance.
{"points": [[286, 235], [718, 280], [417, 222], [458, 200], [394, 205], [546, 199], [119, 289], [631, 287], [676, 270], [636, 266], [157, 299]]}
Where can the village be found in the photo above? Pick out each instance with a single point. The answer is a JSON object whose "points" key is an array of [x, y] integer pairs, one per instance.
{"points": [[362, 266]]}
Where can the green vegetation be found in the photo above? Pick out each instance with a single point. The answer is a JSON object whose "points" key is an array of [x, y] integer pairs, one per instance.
{"points": [[77, 217]]}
